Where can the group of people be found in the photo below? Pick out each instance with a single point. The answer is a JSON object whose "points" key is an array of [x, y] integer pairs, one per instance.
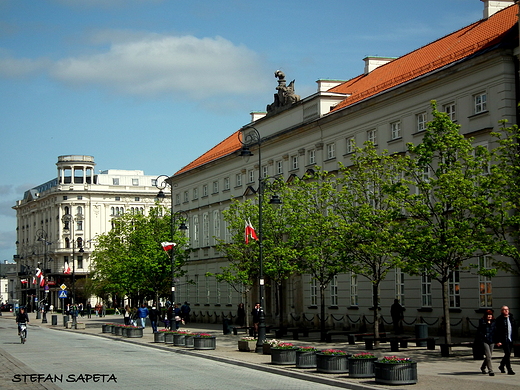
{"points": [[499, 332], [172, 317]]}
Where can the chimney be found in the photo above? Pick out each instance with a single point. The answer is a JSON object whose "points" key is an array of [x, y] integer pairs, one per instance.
{"points": [[325, 85], [491, 7], [374, 62], [256, 115]]}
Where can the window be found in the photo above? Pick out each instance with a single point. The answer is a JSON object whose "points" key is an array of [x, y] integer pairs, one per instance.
{"points": [[215, 187], [79, 210], [216, 225], [372, 136], [79, 225], [351, 144], [353, 290], [196, 231], [177, 198], [331, 150], [80, 197], [265, 171], [395, 130], [195, 193], [80, 262], [238, 179], [251, 176], [208, 290], [399, 285], [486, 168], [426, 290], [205, 229], [454, 289], [205, 190], [484, 282], [227, 185], [311, 156], [137, 199], [294, 162], [65, 197], [334, 291], [480, 103], [450, 110], [279, 167], [117, 199], [314, 292], [420, 119], [135, 182], [115, 181], [186, 197], [197, 289]]}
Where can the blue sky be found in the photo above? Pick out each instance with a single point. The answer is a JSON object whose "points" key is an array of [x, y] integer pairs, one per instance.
{"points": [[153, 84]]}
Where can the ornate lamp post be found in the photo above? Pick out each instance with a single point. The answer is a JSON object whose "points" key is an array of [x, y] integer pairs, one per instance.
{"points": [[252, 137], [68, 221], [42, 237]]}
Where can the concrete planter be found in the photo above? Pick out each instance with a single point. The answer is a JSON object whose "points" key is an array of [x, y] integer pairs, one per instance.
{"points": [[133, 332], [106, 328], [168, 338], [204, 343], [118, 330], [178, 340], [331, 364], [188, 341], [361, 368], [246, 345], [395, 373], [158, 337], [305, 359], [282, 356]]}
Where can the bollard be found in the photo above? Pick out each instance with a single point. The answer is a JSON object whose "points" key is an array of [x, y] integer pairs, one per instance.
{"points": [[421, 332], [65, 320], [54, 319]]}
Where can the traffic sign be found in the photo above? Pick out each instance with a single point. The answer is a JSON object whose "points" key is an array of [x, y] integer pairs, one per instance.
{"points": [[63, 287], [62, 294]]}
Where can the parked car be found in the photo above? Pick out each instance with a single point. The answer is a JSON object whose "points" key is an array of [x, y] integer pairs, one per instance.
{"points": [[6, 307]]}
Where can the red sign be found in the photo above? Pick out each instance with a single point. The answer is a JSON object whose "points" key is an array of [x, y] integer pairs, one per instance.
{"points": [[51, 283]]}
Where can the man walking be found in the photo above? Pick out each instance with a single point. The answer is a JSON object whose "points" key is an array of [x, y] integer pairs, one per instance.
{"points": [[142, 313], [504, 336]]}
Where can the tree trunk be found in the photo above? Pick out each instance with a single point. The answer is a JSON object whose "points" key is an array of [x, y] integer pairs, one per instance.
{"points": [[375, 304], [323, 331], [446, 309]]}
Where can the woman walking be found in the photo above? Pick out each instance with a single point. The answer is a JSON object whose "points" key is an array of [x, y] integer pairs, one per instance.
{"points": [[485, 336]]}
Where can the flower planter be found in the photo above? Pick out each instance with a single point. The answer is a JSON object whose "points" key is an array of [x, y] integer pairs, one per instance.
{"points": [[395, 373], [361, 368], [283, 356], [118, 330], [247, 346], [331, 364], [188, 341], [305, 359], [204, 343], [106, 328], [178, 339], [168, 338], [158, 337], [133, 332]]}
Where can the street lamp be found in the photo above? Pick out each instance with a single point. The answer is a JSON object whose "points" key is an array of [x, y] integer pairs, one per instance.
{"points": [[68, 221], [42, 237], [248, 139]]}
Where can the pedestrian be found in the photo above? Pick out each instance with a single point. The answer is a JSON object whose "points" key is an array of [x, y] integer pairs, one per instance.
{"points": [[127, 315], [142, 313], [177, 316], [153, 314], [396, 312], [89, 310], [241, 315], [256, 318], [185, 312], [103, 311], [80, 308], [505, 333], [486, 339]]}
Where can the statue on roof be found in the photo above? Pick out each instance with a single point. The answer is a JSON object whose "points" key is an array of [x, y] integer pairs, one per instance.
{"points": [[285, 96]]}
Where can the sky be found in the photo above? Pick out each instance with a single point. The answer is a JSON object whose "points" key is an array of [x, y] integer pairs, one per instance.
{"points": [[153, 84]]}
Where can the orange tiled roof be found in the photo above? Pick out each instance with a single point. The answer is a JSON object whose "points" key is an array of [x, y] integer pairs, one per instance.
{"points": [[453, 47], [229, 145]]}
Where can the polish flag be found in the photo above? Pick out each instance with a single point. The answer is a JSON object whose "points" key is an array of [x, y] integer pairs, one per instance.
{"points": [[24, 281], [168, 246], [66, 268], [39, 274], [250, 232]]}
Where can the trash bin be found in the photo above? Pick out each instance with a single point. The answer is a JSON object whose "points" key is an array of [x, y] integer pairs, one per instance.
{"points": [[421, 332], [54, 319], [226, 326], [65, 320]]}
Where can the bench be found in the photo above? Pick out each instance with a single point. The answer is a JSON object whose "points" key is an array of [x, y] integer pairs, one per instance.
{"points": [[247, 329], [360, 336], [394, 342], [304, 331], [445, 349], [430, 342], [331, 333]]}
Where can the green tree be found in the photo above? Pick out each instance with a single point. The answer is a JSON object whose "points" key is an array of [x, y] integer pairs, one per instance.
{"points": [[313, 233], [371, 206], [448, 209]]}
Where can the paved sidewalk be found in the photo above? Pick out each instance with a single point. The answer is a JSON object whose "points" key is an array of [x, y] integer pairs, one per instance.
{"points": [[434, 371]]}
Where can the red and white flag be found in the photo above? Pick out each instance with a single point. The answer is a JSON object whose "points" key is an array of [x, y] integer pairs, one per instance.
{"points": [[24, 281], [39, 274], [250, 232], [168, 246], [66, 268]]}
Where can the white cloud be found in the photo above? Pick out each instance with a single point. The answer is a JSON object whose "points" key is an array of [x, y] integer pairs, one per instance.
{"points": [[162, 64], [20, 67]]}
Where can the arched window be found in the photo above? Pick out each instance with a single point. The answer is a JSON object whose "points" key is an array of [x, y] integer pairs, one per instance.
{"points": [[67, 242], [79, 210]]}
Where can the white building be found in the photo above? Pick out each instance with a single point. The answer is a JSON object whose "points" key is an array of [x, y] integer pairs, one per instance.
{"points": [[471, 73], [58, 223]]}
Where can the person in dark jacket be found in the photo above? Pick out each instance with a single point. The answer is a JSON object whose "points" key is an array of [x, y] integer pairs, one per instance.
{"points": [[504, 335], [486, 339], [153, 314], [21, 318]]}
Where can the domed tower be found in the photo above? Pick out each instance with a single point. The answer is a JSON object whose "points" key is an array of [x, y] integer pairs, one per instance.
{"points": [[74, 169]]}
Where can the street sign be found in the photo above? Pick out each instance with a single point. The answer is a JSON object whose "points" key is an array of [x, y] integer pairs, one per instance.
{"points": [[62, 294], [63, 287]]}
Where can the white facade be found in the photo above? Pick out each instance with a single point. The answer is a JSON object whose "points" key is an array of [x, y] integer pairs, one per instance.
{"points": [[92, 200], [478, 91]]}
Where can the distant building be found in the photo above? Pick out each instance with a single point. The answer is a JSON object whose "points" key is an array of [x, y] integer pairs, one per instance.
{"points": [[58, 223], [471, 73]]}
